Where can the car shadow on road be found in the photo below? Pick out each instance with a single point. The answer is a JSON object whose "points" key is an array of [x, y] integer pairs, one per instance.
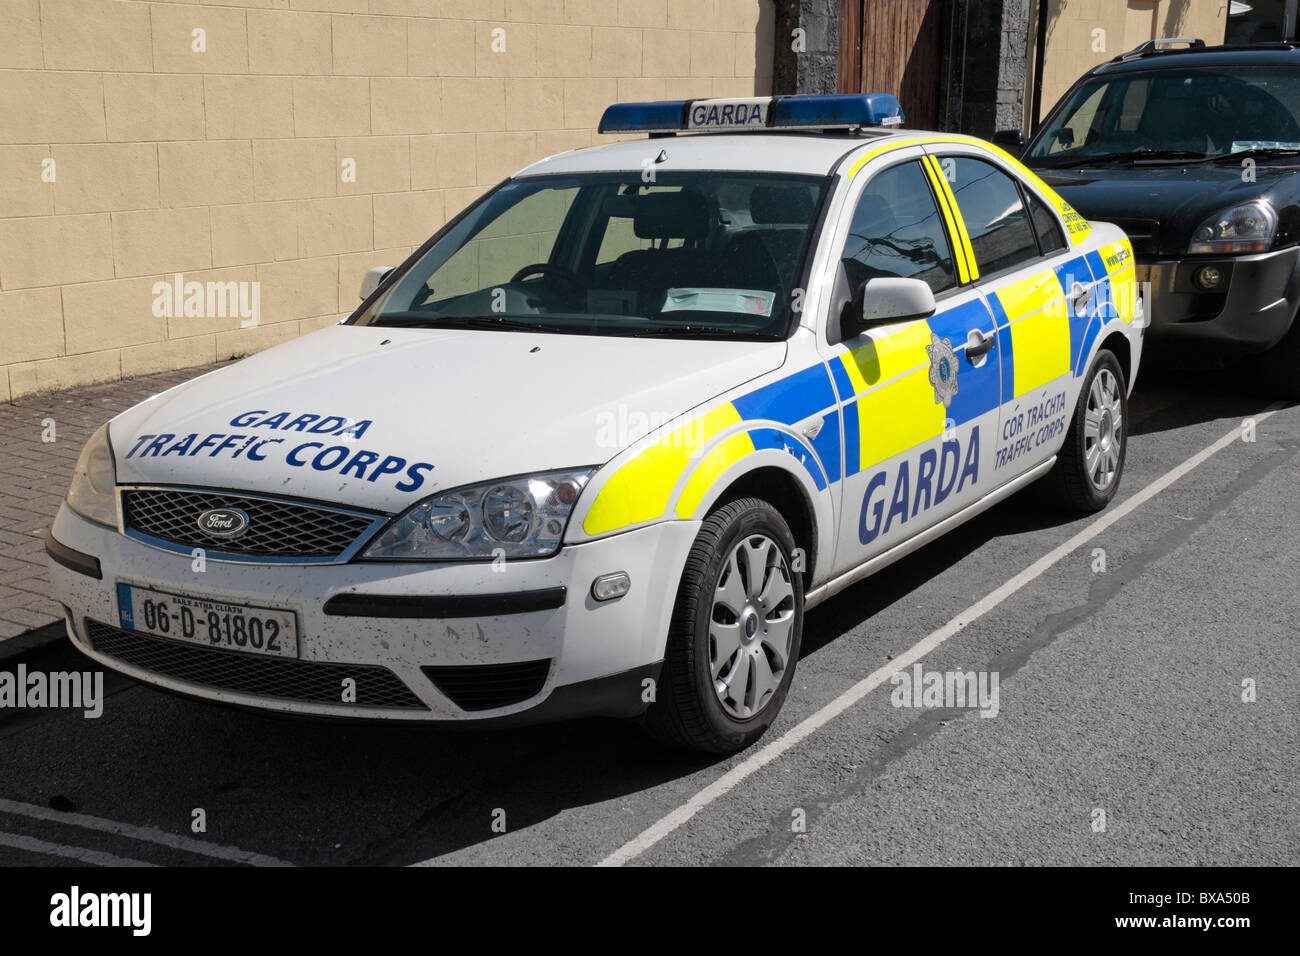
{"points": [[1168, 398]]}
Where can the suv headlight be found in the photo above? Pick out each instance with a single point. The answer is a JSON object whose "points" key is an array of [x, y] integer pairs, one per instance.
{"points": [[521, 517], [1246, 228], [92, 493]]}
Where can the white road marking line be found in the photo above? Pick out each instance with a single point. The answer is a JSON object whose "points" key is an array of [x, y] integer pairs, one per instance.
{"points": [[78, 853], [765, 755], [231, 854]]}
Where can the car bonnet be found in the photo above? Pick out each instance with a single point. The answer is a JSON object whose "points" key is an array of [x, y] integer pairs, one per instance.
{"points": [[379, 418]]}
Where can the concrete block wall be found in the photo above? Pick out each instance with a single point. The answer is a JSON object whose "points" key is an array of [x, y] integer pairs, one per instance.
{"points": [[128, 156]]}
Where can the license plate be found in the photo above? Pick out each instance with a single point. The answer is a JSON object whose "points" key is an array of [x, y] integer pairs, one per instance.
{"points": [[271, 632]]}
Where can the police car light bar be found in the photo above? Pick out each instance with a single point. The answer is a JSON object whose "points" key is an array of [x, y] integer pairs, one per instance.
{"points": [[754, 113]]}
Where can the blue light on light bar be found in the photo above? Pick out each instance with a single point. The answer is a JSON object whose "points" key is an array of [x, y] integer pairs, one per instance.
{"points": [[662, 117], [740, 114], [830, 112]]}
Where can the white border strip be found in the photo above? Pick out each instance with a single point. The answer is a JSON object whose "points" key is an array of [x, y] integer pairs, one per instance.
{"points": [[805, 728], [231, 854], [80, 854]]}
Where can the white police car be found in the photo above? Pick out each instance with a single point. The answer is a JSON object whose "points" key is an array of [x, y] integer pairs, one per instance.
{"points": [[599, 444]]}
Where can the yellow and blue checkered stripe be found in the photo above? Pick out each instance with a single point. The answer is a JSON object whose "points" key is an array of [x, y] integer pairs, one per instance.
{"points": [[889, 403], [640, 490], [1043, 333]]}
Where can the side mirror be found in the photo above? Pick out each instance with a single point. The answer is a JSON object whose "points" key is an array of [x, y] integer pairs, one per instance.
{"points": [[883, 299], [1012, 140], [891, 300], [372, 279]]}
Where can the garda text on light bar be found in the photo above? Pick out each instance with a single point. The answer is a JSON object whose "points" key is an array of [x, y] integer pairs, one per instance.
{"points": [[741, 113]]}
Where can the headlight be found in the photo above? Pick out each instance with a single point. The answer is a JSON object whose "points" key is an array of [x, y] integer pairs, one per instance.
{"points": [[515, 517], [92, 493], [1245, 228]]}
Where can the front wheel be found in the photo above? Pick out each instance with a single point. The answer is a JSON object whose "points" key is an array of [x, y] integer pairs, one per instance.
{"points": [[1088, 468], [735, 632]]}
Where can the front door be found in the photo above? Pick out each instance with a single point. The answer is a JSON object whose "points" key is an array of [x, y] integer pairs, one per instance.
{"points": [[919, 399]]}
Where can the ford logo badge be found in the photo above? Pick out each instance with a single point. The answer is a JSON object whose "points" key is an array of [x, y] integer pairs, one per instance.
{"points": [[223, 522]]}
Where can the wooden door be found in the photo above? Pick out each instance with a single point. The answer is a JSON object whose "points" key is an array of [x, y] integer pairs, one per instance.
{"points": [[892, 46]]}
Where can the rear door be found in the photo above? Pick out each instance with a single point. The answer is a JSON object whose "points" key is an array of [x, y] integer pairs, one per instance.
{"points": [[1040, 293]]}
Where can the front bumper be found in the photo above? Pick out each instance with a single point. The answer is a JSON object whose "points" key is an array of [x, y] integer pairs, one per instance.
{"points": [[1250, 311], [378, 624]]}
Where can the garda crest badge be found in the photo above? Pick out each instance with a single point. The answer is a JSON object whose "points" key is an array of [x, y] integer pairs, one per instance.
{"points": [[943, 369]]}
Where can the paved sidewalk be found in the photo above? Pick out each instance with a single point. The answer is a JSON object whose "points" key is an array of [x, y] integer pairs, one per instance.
{"points": [[34, 475]]}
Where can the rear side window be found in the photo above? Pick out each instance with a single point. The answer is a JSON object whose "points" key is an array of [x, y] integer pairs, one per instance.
{"points": [[996, 219], [897, 232], [1048, 230]]}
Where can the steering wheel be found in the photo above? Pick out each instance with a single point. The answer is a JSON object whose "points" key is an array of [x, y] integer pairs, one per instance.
{"points": [[568, 276]]}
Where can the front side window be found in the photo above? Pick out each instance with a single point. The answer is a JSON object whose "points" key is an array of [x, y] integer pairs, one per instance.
{"points": [[897, 232], [989, 200], [713, 254]]}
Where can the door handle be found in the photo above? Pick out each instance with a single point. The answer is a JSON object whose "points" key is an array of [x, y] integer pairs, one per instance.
{"points": [[1079, 297], [977, 343]]}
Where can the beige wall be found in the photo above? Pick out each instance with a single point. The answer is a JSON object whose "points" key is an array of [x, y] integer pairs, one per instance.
{"points": [[1072, 45], [228, 165]]}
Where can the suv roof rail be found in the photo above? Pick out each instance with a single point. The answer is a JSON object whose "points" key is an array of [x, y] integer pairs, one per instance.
{"points": [[1154, 46]]}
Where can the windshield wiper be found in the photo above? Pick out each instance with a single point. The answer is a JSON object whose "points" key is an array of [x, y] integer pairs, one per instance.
{"points": [[689, 330], [1139, 155], [422, 320], [1265, 151], [1145, 154]]}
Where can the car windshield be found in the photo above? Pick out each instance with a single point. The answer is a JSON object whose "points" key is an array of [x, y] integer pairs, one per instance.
{"points": [[703, 254], [1173, 115]]}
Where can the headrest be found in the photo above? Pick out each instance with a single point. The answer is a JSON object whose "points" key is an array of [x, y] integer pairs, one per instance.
{"points": [[781, 204], [682, 215]]}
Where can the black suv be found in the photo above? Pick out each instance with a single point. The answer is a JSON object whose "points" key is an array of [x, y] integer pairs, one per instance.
{"points": [[1195, 153]]}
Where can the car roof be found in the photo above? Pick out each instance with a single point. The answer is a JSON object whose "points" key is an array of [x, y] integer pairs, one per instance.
{"points": [[1283, 54], [809, 153]]}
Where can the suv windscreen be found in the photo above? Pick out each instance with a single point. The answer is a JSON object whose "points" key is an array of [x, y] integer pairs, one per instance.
{"points": [[1188, 114], [687, 254]]}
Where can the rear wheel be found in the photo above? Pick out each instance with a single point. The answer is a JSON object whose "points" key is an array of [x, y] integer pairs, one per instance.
{"points": [[1091, 461], [735, 634]]}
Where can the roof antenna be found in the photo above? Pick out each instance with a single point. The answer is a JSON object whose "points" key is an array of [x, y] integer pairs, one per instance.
{"points": [[662, 157]]}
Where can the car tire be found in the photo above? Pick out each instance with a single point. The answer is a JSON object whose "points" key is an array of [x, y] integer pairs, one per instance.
{"points": [[1091, 462], [735, 635], [1278, 369]]}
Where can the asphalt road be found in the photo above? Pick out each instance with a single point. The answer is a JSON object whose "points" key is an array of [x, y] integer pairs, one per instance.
{"points": [[1120, 692]]}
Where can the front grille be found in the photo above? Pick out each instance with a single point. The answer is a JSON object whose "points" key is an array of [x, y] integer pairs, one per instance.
{"points": [[314, 682], [276, 528], [484, 686]]}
